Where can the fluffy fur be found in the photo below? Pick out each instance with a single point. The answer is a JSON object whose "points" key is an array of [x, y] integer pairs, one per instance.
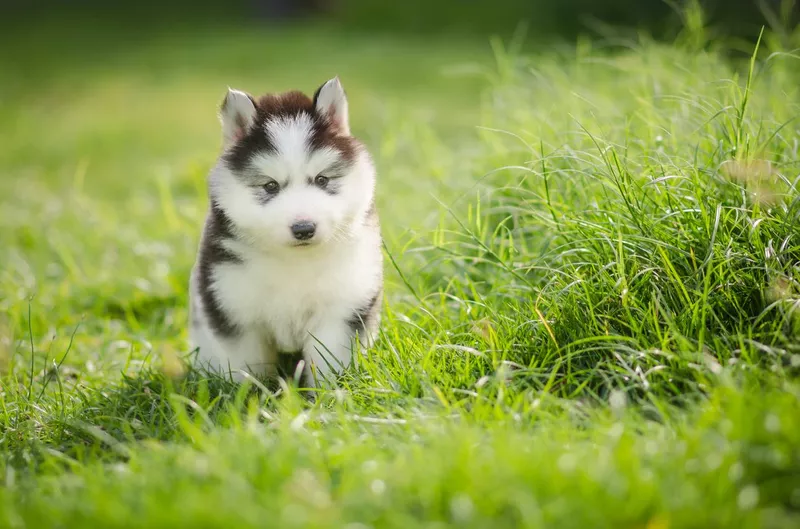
{"points": [[290, 261]]}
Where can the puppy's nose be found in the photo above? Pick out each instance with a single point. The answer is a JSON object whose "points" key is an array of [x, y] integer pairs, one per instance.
{"points": [[303, 230]]}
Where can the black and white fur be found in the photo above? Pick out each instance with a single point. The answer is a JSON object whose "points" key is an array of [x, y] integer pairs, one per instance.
{"points": [[290, 259]]}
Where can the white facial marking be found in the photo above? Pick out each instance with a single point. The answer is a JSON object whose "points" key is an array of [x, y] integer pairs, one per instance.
{"points": [[290, 137], [293, 161]]}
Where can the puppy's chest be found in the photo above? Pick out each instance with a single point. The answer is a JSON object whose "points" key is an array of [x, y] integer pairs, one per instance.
{"points": [[284, 300]]}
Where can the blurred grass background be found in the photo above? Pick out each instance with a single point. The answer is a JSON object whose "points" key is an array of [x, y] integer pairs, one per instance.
{"points": [[73, 72], [594, 328]]}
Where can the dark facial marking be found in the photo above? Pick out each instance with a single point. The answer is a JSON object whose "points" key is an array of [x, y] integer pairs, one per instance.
{"points": [[326, 184], [267, 192], [332, 189], [324, 133], [254, 141], [218, 229]]}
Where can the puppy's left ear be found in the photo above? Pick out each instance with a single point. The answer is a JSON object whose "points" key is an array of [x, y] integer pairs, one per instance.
{"points": [[331, 101]]}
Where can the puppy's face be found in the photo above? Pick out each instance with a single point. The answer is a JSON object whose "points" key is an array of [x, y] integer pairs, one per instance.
{"points": [[291, 176]]}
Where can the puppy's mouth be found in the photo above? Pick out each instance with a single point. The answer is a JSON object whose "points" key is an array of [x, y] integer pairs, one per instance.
{"points": [[298, 244]]}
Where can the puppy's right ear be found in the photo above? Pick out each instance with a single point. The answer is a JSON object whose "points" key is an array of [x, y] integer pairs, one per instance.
{"points": [[237, 113]]}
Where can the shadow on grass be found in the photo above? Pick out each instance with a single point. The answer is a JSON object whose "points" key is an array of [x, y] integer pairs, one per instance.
{"points": [[142, 308]]}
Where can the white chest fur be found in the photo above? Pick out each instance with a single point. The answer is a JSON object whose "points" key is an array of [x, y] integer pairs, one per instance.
{"points": [[284, 297]]}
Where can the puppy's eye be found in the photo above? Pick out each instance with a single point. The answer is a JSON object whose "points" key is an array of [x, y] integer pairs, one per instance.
{"points": [[321, 181], [272, 187]]}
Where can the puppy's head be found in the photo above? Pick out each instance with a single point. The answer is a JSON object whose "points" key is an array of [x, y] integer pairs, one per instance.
{"points": [[291, 175]]}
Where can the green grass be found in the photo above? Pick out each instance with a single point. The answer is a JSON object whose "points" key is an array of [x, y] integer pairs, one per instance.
{"points": [[591, 317]]}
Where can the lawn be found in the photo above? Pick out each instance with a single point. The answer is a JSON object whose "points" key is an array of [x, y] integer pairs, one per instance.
{"points": [[593, 283]]}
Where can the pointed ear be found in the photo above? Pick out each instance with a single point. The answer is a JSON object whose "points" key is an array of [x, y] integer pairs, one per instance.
{"points": [[237, 113], [330, 101]]}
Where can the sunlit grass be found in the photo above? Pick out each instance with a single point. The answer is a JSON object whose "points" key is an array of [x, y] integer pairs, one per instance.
{"points": [[592, 310]]}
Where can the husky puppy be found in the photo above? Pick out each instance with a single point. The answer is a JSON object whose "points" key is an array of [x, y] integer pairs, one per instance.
{"points": [[290, 262]]}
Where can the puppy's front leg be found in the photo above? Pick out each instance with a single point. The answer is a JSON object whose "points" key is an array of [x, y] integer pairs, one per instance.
{"points": [[235, 355], [328, 350]]}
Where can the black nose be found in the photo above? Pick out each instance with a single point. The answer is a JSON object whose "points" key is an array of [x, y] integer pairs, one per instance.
{"points": [[303, 230]]}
